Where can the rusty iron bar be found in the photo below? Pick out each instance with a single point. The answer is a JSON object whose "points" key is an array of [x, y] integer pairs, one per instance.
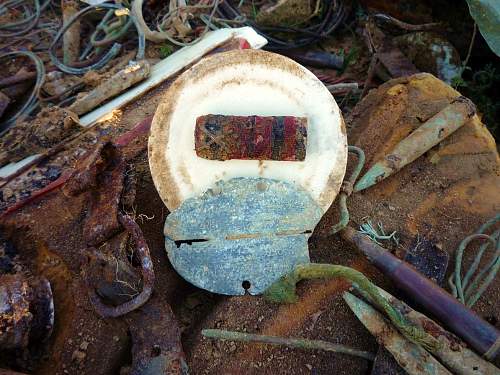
{"points": [[459, 319], [421, 140]]}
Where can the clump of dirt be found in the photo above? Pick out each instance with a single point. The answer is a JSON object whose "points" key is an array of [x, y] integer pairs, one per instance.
{"points": [[47, 129]]}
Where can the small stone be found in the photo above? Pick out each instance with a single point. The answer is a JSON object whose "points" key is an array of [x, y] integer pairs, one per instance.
{"points": [[78, 356], [84, 345], [116, 338], [392, 208], [309, 367]]}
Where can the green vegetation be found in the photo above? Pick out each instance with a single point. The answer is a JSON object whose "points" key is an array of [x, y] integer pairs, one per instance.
{"points": [[481, 86]]}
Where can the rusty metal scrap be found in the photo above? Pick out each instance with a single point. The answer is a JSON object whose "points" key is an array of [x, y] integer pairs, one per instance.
{"points": [[101, 172], [219, 137], [156, 341], [50, 126], [18, 190], [26, 310], [141, 252], [109, 270]]}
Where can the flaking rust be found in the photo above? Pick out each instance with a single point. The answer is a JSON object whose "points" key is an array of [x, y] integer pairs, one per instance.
{"points": [[220, 137], [26, 311], [156, 341]]}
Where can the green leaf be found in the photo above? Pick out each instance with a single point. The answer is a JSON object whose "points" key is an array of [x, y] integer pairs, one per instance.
{"points": [[486, 13]]}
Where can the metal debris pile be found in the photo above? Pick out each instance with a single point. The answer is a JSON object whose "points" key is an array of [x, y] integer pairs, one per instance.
{"points": [[131, 245]]}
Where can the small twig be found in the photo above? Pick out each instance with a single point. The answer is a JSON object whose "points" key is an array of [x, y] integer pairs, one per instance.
{"points": [[290, 342], [408, 26], [471, 45], [342, 87], [370, 74]]}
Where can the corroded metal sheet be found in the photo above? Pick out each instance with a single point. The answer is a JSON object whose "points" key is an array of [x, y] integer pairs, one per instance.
{"points": [[231, 267], [244, 208], [220, 137], [241, 235]]}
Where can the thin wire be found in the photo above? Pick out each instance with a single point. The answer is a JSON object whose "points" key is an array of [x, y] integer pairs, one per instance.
{"points": [[208, 22], [33, 18], [467, 293], [31, 104], [346, 189], [111, 53]]}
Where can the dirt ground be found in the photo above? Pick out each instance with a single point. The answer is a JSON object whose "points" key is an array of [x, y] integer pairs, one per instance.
{"points": [[443, 196]]}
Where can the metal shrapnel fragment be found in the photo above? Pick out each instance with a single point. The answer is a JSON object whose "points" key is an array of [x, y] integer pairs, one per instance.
{"points": [[220, 137]]}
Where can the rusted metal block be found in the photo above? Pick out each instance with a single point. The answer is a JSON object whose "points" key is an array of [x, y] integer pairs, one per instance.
{"points": [[220, 137], [26, 311], [241, 235]]}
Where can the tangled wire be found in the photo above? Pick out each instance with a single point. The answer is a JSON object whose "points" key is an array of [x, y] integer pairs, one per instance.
{"points": [[180, 22], [469, 290]]}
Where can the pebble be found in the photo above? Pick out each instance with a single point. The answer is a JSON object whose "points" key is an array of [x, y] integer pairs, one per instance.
{"points": [[84, 345], [309, 367], [78, 356]]}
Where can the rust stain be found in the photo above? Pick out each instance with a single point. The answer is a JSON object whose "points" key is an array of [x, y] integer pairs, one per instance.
{"points": [[290, 317]]}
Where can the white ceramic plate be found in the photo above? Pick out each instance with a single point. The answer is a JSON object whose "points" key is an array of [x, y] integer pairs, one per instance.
{"points": [[246, 82]]}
